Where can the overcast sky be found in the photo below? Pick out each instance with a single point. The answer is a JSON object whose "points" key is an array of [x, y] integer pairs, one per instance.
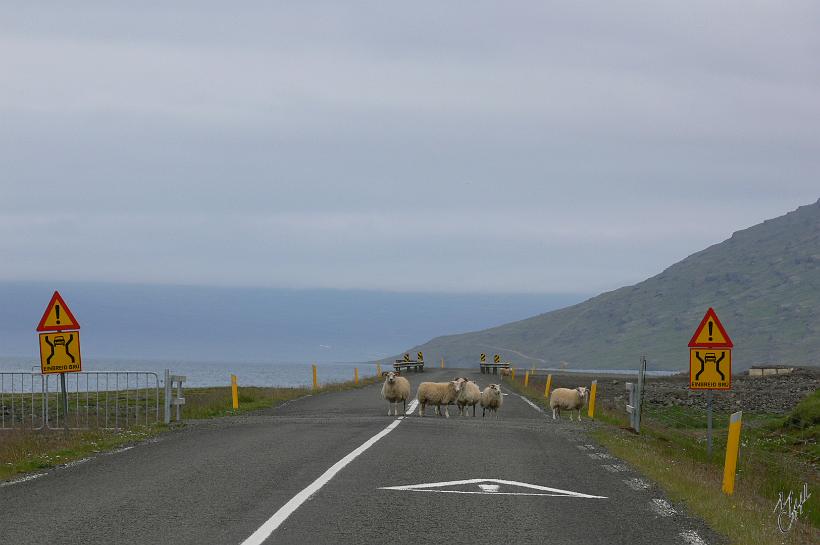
{"points": [[460, 146]]}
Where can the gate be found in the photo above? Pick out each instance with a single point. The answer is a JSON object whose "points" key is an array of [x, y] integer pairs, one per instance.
{"points": [[104, 399]]}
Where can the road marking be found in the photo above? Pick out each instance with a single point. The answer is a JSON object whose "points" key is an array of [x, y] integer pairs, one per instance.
{"points": [[637, 484], [531, 404], [413, 405], [76, 463], [23, 479], [691, 537], [490, 486], [264, 531], [662, 507]]}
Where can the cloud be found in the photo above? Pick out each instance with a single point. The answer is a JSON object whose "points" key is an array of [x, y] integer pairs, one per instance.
{"points": [[543, 148]]}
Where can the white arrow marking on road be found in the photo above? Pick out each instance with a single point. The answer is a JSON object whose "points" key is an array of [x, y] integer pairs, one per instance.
{"points": [[490, 486]]}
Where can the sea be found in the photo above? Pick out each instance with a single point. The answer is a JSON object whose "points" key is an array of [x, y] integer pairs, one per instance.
{"points": [[284, 374]]}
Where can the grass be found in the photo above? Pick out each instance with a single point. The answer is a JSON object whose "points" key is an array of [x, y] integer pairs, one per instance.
{"points": [[778, 454], [24, 450]]}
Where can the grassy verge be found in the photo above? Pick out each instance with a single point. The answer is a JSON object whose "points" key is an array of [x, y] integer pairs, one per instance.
{"points": [[25, 451], [778, 454]]}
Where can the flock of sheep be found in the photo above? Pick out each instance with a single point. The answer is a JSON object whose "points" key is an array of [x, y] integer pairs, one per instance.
{"points": [[465, 393]]}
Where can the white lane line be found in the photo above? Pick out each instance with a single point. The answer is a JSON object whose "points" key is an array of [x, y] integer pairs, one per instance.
{"points": [[531, 404], [264, 531], [413, 405], [662, 507], [76, 463], [23, 479], [691, 537], [637, 484]]}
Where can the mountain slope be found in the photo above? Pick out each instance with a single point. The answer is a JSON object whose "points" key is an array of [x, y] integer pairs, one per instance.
{"points": [[764, 283]]}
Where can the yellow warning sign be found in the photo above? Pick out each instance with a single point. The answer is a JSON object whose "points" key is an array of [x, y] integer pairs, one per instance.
{"points": [[60, 352], [421, 356], [710, 368], [483, 357], [496, 359]]}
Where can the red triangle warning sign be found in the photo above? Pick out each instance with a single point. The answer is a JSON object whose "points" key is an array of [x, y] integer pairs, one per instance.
{"points": [[57, 316], [710, 333]]}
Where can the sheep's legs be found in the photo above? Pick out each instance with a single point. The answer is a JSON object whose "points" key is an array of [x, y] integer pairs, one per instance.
{"points": [[554, 410], [421, 408], [446, 412]]}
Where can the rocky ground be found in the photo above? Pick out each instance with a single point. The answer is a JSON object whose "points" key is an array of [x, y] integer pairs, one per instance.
{"points": [[777, 394]]}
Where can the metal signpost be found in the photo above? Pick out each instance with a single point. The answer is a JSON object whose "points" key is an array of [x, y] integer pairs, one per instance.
{"points": [[710, 363], [59, 345]]}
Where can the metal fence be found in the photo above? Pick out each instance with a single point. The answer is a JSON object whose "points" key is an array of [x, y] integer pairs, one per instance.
{"points": [[106, 399]]}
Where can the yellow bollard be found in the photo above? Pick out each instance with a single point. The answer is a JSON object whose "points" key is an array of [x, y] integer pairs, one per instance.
{"points": [[548, 386], [442, 363], [592, 391], [512, 373], [378, 369], [355, 375], [526, 379], [315, 383], [234, 392], [732, 447]]}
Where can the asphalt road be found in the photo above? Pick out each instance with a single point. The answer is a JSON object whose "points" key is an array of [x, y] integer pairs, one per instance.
{"points": [[220, 481]]}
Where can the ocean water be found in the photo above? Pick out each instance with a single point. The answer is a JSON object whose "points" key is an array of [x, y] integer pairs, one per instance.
{"points": [[218, 373]]}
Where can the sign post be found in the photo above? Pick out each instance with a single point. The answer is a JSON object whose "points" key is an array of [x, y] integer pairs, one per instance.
{"points": [[59, 341], [710, 364]]}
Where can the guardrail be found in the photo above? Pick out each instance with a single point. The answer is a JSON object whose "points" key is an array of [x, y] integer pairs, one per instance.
{"points": [[103, 399]]}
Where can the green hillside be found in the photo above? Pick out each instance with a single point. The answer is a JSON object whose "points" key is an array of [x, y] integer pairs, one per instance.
{"points": [[764, 283]]}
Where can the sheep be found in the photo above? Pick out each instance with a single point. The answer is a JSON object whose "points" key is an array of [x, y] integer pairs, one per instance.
{"points": [[564, 398], [438, 394], [469, 394], [491, 399], [395, 389], [506, 372]]}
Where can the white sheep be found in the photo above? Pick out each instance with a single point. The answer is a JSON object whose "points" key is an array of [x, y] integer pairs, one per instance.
{"points": [[438, 394], [506, 372], [395, 389], [564, 398], [491, 399], [469, 394]]}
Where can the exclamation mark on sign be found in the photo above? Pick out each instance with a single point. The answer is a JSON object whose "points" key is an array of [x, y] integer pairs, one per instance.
{"points": [[710, 328], [57, 310]]}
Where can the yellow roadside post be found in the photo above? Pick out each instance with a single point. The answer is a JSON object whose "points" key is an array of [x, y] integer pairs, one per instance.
{"points": [[356, 375], [315, 383], [548, 386], [592, 391], [234, 392], [732, 447], [378, 369], [512, 373], [442, 363], [526, 379]]}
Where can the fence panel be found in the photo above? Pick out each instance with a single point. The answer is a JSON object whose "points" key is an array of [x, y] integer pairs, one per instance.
{"points": [[104, 399]]}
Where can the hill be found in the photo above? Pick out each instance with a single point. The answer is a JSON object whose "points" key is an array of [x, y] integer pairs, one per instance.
{"points": [[764, 283]]}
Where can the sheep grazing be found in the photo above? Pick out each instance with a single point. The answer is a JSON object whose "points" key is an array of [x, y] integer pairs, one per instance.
{"points": [[469, 394], [491, 399], [564, 398], [395, 389], [438, 394], [506, 372]]}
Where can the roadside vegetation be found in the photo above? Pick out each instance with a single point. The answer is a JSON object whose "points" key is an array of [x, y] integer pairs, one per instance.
{"points": [[779, 453], [26, 451]]}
